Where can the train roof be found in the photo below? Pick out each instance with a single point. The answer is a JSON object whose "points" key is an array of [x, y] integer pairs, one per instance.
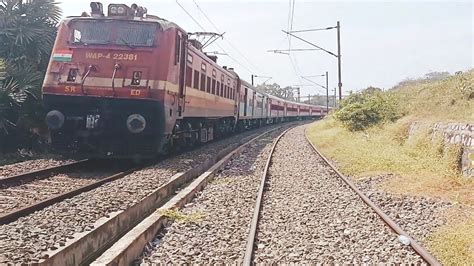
{"points": [[247, 84]]}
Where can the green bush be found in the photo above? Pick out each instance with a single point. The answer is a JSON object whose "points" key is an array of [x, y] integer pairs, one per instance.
{"points": [[27, 33], [360, 111]]}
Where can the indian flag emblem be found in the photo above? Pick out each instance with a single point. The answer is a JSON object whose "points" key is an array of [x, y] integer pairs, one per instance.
{"points": [[62, 56]]}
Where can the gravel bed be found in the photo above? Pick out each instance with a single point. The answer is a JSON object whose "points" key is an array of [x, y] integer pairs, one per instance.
{"points": [[26, 240], [35, 191], [224, 208], [28, 166], [310, 215], [418, 216]]}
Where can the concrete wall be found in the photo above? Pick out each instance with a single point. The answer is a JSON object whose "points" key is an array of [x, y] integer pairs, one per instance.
{"points": [[456, 133]]}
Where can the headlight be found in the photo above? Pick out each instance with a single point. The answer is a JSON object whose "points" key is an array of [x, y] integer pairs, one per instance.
{"points": [[121, 10], [54, 119], [136, 123]]}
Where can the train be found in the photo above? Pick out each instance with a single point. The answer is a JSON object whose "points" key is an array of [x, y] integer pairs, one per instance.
{"points": [[133, 85]]}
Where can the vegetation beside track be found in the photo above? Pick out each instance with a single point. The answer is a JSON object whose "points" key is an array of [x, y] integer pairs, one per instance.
{"points": [[27, 34], [421, 165]]}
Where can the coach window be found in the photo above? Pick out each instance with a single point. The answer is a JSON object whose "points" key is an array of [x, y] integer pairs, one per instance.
{"points": [[208, 85], [203, 77], [189, 76], [218, 89], [203, 82], [214, 86], [196, 80], [221, 87]]}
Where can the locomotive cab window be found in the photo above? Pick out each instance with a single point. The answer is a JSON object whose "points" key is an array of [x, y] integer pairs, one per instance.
{"points": [[126, 33]]}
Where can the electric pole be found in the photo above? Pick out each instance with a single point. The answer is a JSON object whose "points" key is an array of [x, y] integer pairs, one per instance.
{"points": [[339, 59], [327, 92], [316, 47], [255, 76]]}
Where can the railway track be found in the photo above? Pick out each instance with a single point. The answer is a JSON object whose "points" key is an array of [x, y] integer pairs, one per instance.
{"points": [[223, 211], [28, 176], [256, 245], [77, 230], [130, 246], [26, 193], [232, 226]]}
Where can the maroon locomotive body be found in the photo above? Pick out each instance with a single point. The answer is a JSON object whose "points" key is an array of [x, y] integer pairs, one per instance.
{"points": [[128, 84]]}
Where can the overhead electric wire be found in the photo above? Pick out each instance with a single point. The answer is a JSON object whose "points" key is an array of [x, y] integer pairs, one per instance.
{"points": [[195, 21], [227, 41], [207, 18], [291, 16], [328, 28], [202, 28]]}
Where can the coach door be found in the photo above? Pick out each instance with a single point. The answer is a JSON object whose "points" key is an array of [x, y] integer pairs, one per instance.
{"points": [[181, 60]]}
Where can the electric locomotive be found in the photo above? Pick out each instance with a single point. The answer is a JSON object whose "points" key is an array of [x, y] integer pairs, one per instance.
{"points": [[132, 85]]}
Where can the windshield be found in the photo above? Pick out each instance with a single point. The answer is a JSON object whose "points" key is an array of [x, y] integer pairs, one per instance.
{"points": [[113, 32]]}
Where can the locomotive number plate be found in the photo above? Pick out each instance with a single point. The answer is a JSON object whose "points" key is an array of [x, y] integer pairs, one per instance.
{"points": [[113, 56], [92, 121]]}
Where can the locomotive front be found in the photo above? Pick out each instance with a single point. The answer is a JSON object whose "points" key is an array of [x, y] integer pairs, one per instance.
{"points": [[98, 89]]}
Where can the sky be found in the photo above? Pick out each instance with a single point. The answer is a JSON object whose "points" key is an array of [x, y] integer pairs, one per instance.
{"points": [[382, 42]]}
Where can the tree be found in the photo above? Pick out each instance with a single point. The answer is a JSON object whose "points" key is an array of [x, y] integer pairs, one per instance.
{"points": [[430, 76], [435, 75], [27, 34], [276, 90], [371, 89], [367, 108], [28, 31]]}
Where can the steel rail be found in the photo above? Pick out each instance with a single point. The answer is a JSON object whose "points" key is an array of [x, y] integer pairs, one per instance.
{"points": [[38, 174], [391, 223], [258, 205], [126, 237], [15, 214]]}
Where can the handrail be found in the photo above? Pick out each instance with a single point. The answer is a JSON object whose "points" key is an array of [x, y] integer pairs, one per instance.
{"points": [[116, 67], [89, 68]]}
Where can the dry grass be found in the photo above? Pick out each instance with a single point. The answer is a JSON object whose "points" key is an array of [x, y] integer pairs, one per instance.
{"points": [[445, 100], [421, 169], [423, 165], [454, 242], [180, 217]]}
